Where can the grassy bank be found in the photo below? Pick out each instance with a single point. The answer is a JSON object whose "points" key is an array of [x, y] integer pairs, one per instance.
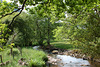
{"points": [[62, 44], [34, 58]]}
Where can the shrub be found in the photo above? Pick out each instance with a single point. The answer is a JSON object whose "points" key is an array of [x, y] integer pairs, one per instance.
{"points": [[36, 63], [15, 51], [38, 59]]}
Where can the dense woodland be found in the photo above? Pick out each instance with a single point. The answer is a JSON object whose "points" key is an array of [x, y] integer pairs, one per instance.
{"points": [[75, 21]]}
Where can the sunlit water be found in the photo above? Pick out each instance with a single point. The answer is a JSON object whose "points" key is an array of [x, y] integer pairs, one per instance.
{"points": [[68, 61]]}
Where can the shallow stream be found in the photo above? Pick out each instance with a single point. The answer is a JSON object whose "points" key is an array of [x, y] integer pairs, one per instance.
{"points": [[68, 61]]}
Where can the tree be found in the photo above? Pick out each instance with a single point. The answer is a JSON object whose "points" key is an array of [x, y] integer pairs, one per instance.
{"points": [[40, 29], [8, 9], [82, 27]]}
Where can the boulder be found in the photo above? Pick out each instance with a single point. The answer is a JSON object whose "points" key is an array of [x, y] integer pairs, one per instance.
{"points": [[55, 52], [1, 64], [85, 65], [22, 62], [84, 57], [53, 60]]}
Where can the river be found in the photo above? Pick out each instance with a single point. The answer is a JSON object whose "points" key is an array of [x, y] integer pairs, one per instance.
{"points": [[68, 61]]}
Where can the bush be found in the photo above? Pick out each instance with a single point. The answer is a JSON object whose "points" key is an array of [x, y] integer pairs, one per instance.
{"points": [[15, 51], [37, 63], [38, 59], [34, 58]]}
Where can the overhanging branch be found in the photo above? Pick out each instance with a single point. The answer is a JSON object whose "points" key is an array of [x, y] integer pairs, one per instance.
{"points": [[18, 13], [10, 13]]}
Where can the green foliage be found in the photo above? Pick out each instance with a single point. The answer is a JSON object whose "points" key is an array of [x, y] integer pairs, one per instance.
{"points": [[23, 30], [15, 52], [44, 9], [29, 29], [32, 29], [58, 33], [39, 60], [1, 49], [82, 27], [80, 5], [11, 45], [6, 7], [3, 29], [36, 63], [62, 44], [28, 53]]}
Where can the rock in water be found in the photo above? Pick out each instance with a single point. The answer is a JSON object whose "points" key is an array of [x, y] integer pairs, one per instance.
{"points": [[53, 60], [85, 65]]}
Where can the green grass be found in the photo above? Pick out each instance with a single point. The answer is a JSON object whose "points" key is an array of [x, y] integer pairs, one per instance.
{"points": [[34, 58], [62, 44]]}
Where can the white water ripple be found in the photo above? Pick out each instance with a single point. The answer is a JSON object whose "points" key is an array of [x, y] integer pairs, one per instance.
{"points": [[68, 61]]}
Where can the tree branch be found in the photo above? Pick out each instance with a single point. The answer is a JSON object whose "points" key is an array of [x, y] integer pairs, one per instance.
{"points": [[19, 12], [10, 13]]}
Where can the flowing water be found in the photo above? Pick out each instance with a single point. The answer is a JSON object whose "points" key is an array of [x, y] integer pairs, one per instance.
{"points": [[71, 61], [68, 61], [36, 47]]}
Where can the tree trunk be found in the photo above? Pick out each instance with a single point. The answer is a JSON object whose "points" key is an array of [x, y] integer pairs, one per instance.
{"points": [[1, 59], [48, 40], [11, 51], [40, 41]]}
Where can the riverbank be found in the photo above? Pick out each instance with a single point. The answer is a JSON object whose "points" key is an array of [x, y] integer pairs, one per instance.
{"points": [[65, 48], [78, 54], [62, 44], [61, 58], [73, 53]]}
